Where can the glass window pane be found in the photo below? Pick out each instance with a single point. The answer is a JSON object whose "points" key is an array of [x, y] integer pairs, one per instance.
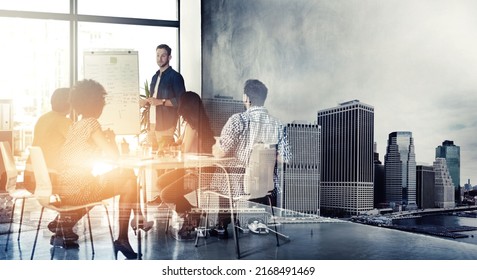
{"points": [[150, 9], [143, 39], [51, 6], [35, 61]]}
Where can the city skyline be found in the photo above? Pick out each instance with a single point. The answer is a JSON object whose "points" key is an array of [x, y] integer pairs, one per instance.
{"points": [[216, 116], [413, 61], [346, 132]]}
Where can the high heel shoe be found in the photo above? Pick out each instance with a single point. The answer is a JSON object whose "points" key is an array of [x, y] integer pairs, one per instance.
{"points": [[146, 226], [125, 248]]}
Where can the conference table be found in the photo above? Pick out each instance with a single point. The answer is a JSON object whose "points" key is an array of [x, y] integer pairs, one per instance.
{"points": [[142, 162]]}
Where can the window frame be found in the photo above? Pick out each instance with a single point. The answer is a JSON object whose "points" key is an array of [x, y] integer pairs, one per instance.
{"points": [[74, 18]]}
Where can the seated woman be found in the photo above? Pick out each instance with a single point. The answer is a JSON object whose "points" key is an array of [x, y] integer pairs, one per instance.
{"points": [[85, 143], [196, 137]]}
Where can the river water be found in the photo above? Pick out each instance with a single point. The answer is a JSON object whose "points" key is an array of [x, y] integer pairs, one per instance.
{"points": [[354, 241], [445, 220]]}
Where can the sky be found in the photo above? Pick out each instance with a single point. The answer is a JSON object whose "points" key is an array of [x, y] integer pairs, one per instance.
{"points": [[414, 61]]}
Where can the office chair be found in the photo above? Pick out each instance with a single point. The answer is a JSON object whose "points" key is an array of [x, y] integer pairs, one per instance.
{"points": [[257, 183], [9, 178], [43, 194]]}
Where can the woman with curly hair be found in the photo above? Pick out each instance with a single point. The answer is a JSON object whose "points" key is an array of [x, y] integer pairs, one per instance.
{"points": [[86, 143]]}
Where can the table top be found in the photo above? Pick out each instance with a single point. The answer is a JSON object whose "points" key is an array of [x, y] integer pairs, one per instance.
{"points": [[165, 162]]}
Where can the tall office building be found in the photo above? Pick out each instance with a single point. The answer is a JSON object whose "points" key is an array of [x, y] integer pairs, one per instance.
{"points": [[400, 170], [379, 184], [425, 186], [347, 165], [219, 109], [301, 175], [467, 186], [451, 153], [444, 190]]}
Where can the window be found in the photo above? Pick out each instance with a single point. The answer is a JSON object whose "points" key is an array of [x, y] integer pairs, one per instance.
{"points": [[98, 36], [41, 52], [35, 55], [51, 6], [152, 9]]}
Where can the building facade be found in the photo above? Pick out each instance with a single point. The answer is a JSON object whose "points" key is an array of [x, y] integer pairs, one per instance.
{"points": [[425, 186], [444, 187], [379, 183], [347, 165], [451, 153], [219, 109], [400, 170], [301, 175]]}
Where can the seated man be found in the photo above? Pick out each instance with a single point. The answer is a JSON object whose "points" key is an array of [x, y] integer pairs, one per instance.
{"points": [[241, 132], [50, 135]]}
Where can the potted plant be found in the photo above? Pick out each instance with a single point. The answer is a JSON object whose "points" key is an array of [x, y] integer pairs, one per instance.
{"points": [[145, 110]]}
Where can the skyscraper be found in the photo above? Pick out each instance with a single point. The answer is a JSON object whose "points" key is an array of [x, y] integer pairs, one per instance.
{"points": [[301, 175], [347, 165], [379, 184], [425, 186], [444, 190], [451, 153], [400, 170], [219, 109]]}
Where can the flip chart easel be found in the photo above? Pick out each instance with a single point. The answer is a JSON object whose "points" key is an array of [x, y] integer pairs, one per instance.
{"points": [[118, 72]]}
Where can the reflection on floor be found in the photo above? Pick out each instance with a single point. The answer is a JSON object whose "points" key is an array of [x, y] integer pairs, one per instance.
{"points": [[156, 244]]}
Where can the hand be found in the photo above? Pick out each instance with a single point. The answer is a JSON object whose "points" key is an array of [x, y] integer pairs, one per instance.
{"points": [[154, 101], [217, 151]]}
